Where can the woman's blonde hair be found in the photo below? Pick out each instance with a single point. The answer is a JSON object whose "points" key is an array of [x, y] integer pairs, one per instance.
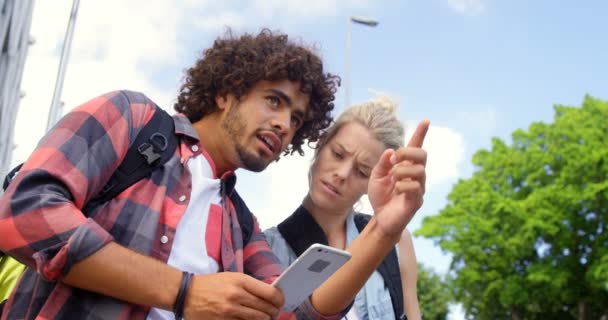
{"points": [[377, 115]]}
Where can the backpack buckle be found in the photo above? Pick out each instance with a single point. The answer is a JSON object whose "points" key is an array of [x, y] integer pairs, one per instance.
{"points": [[11, 176], [152, 150], [107, 187]]}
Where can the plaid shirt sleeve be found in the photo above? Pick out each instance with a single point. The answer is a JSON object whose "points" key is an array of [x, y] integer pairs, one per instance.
{"points": [[261, 263], [40, 213]]}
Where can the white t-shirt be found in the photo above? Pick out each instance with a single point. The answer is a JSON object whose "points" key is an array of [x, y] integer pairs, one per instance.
{"points": [[190, 247], [352, 314]]}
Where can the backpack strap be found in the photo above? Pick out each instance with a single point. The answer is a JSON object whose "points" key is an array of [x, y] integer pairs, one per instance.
{"points": [[154, 145], [244, 215], [388, 269]]}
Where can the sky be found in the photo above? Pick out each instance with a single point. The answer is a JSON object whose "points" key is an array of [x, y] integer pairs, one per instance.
{"points": [[477, 69]]}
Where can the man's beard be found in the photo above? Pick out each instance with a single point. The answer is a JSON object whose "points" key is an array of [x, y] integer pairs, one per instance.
{"points": [[234, 126]]}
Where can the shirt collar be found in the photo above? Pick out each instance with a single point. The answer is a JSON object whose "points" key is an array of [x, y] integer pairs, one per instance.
{"points": [[301, 230], [184, 126]]}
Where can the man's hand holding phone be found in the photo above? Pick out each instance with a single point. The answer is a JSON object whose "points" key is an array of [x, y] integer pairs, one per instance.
{"points": [[231, 295]]}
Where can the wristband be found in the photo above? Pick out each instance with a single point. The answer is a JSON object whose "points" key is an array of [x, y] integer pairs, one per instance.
{"points": [[180, 300]]}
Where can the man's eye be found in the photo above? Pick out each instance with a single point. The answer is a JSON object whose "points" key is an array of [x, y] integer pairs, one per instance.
{"points": [[296, 122], [274, 101]]}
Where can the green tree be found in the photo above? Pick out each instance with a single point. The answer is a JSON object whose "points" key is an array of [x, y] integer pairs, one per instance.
{"points": [[528, 231], [433, 294]]}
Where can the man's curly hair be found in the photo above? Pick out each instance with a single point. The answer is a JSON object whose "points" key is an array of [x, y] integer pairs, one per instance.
{"points": [[233, 65]]}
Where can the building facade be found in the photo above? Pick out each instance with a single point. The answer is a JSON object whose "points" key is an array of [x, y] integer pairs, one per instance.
{"points": [[15, 22]]}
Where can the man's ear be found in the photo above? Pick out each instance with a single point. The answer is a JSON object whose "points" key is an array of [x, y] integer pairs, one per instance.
{"points": [[222, 101]]}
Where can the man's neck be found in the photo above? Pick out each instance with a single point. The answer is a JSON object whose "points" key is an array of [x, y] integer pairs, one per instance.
{"points": [[215, 143]]}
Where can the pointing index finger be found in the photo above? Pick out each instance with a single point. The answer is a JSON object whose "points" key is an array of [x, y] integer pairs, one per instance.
{"points": [[418, 137]]}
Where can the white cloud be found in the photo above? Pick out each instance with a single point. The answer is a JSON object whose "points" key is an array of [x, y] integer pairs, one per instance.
{"points": [[445, 148], [113, 44], [468, 7]]}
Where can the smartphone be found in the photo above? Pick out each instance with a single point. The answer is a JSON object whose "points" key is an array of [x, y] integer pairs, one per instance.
{"points": [[308, 272]]}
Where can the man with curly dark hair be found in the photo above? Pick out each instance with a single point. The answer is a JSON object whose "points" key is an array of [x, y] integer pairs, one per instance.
{"points": [[233, 66], [178, 242]]}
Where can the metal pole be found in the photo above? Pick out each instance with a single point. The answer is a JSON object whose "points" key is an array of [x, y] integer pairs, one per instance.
{"points": [[348, 55], [347, 65], [55, 109]]}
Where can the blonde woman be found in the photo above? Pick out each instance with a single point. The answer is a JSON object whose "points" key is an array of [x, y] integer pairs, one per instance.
{"points": [[338, 178]]}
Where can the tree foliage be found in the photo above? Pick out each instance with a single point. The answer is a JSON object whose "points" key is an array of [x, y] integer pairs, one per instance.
{"points": [[433, 294], [528, 231]]}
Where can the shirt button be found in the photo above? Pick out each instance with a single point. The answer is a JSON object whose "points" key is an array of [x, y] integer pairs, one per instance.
{"points": [[164, 239], [182, 198], [195, 148]]}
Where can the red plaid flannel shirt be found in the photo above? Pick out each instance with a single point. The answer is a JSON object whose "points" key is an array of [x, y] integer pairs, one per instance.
{"points": [[42, 224]]}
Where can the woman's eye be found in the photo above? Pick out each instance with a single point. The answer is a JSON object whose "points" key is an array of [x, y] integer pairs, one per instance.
{"points": [[337, 155], [363, 174]]}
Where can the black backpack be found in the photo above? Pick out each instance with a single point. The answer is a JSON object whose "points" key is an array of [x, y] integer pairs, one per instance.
{"points": [[301, 230], [154, 146]]}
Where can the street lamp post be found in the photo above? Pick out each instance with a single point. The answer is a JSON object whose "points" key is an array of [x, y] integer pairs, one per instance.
{"points": [[363, 21], [56, 105]]}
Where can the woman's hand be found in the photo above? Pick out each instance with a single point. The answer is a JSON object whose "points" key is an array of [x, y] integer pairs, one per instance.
{"points": [[397, 183]]}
